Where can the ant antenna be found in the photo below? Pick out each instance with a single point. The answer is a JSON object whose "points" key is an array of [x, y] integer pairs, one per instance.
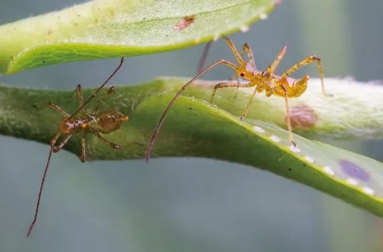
{"points": [[40, 191], [98, 90], [161, 121]]}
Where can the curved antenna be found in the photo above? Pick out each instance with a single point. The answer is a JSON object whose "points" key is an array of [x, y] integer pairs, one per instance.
{"points": [[98, 90], [161, 121]]}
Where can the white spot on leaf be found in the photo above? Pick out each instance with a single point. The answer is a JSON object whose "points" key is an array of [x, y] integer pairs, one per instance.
{"points": [[275, 138], [244, 28], [352, 181], [368, 190], [309, 159], [259, 129], [328, 170], [294, 149]]}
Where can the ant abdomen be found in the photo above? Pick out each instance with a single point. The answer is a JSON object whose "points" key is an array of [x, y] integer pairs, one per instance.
{"points": [[109, 121]]}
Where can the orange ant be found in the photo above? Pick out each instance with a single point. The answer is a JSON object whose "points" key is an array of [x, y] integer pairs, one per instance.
{"points": [[96, 122], [262, 81]]}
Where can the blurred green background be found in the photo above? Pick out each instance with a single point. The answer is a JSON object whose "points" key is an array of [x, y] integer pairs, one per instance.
{"points": [[184, 204]]}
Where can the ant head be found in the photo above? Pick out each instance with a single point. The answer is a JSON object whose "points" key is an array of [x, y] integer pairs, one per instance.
{"points": [[245, 71]]}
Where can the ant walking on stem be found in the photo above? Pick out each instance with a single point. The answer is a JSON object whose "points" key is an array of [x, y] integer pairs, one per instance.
{"points": [[96, 122], [262, 81]]}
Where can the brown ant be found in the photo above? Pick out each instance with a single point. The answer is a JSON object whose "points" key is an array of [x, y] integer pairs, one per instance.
{"points": [[96, 122], [262, 81]]}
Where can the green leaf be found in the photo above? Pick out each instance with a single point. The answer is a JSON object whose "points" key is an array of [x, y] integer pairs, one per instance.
{"points": [[198, 129], [113, 28], [353, 110]]}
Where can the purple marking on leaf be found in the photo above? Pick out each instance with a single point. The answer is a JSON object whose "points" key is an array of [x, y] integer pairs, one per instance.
{"points": [[353, 170]]}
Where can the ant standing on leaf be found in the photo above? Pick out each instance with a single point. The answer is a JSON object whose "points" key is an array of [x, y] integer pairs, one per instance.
{"points": [[96, 122], [262, 81]]}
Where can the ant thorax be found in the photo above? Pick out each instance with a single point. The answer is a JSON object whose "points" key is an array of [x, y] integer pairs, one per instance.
{"points": [[71, 126], [250, 72]]}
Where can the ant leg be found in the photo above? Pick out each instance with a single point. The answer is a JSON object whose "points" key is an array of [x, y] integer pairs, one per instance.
{"points": [[113, 145], [237, 55], [236, 90], [271, 69], [202, 60], [83, 149], [61, 145], [226, 85], [288, 119], [305, 62], [79, 95], [246, 49], [80, 99], [101, 101], [58, 109], [244, 112]]}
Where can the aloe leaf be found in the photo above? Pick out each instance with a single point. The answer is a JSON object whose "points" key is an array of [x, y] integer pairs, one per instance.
{"points": [[198, 129], [113, 28]]}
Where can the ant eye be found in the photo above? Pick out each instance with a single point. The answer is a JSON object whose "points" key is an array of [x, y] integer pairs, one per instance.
{"points": [[242, 74]]}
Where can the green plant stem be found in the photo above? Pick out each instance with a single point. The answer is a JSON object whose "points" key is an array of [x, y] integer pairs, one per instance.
{"points": [[354, 111], [198, 129]]}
